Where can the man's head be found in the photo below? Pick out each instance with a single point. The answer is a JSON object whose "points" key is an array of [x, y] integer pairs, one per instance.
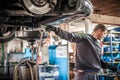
{"points": [[99, 31]]}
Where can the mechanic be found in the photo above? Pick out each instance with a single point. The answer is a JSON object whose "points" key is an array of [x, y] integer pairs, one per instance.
{"points": [[88, 51]]}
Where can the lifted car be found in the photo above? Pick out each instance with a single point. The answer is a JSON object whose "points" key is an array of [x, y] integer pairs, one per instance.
{"points": [[15, 14]]}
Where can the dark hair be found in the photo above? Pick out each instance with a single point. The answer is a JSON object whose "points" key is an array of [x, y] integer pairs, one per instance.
{"points": [[100, 26]]}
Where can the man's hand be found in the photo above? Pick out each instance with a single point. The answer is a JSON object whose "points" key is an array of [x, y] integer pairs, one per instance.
{"points": [[48, 27]]}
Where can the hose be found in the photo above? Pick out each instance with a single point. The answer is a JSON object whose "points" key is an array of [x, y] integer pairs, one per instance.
{"points": [[16, 69], [31, 70], [28, 62], [38, 47]]}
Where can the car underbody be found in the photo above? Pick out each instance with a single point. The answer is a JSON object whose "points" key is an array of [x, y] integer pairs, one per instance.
{"points": [[15, 14]]}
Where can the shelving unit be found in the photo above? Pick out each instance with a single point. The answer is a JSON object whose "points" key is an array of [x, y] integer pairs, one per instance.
{"points": [[112, 48], [111, 45]]}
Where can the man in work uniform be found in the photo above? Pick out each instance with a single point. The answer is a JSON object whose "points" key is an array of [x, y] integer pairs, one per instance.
{"points": [[88, 51]]}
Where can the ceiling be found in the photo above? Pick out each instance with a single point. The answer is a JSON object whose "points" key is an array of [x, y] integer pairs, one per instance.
{"points": [[107, 7]]}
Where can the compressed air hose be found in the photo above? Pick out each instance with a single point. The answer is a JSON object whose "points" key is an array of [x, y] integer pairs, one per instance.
{"points": [[26, 61], [16, 69]]}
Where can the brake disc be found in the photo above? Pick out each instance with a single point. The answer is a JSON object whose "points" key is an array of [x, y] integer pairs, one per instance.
{"points": [[39, 7]]}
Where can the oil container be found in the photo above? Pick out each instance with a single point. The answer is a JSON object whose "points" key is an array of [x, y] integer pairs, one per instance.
{"points": [[48, 72]]}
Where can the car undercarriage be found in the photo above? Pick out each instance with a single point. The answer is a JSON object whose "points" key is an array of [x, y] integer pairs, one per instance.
{"points": [[15, 14]]}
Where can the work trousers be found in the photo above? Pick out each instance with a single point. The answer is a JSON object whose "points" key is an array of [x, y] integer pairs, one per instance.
{"points": [[86, 76]]}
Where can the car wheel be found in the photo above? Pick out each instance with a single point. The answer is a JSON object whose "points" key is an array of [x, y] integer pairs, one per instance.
{"points": [[39, 7]]}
